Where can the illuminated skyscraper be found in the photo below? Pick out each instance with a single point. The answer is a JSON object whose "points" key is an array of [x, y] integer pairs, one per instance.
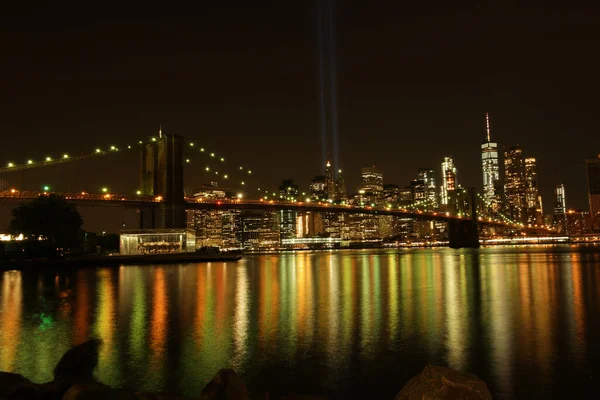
{"points": [[560, 209], [372, 180], [427, 176], [515, 186], [532, 198], [491, 171], [329, 181], [448, 179], [593, 179]]}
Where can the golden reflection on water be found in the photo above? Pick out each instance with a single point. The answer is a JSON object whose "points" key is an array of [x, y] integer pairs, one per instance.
{"points": [[10, 318], [523, 311], [83, 314], [105, 325], [158, 324]]}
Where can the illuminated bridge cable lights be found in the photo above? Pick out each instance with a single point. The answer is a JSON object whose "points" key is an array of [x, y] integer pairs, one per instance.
{"points": [[64, 157]]}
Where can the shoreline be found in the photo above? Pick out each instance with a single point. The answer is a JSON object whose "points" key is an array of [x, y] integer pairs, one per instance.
{"points": [[141, 259]]}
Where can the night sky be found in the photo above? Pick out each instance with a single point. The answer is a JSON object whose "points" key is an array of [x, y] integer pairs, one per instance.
{"points": [[412, 86]]}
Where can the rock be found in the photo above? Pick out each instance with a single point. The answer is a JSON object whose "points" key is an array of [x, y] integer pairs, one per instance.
{"points": [[444, 383], [225, 385], [15, 386], [79, 362], [97, 391]]}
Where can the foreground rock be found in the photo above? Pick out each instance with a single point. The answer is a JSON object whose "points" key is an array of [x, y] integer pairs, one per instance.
{"points": [[226, 385], [444, 383]]}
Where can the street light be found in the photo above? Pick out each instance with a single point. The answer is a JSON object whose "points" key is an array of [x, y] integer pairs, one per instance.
{"points": [[104, 190], [46, 188]]}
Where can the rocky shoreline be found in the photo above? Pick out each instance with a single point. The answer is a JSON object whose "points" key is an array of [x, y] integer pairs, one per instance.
{"points": [[74, 380]]}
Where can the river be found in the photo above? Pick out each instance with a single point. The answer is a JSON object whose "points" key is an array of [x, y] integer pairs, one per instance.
{"points": [[346, 323]]}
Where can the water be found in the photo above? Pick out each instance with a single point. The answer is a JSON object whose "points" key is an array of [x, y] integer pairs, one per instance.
{"points": [[346, 324]]}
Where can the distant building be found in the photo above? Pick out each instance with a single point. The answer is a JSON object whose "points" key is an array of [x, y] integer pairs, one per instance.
{"points": [[560, 209], [405, 197], [260, 230], [418, 191], [317, 188], [424, 190], [288, 190], [372, 180], [578, 222], [514, 186], [340, 187], [330, 182], [448, 179], [391, 194], [593, 180], [491, 171], [215, 228], [532, 197]]}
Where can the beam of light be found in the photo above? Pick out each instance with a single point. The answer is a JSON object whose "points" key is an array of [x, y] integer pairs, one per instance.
{"points": [[332, 85], [322, 83]]}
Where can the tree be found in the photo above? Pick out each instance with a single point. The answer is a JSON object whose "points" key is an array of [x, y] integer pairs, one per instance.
{"points": [[51, 218]]}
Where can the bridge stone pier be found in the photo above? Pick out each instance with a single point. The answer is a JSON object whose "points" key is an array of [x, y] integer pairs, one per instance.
{"points": [[464, 233], [161, 174]]}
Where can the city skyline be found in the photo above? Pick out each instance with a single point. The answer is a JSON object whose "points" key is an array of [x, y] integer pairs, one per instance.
{"points": [[120, 78]]}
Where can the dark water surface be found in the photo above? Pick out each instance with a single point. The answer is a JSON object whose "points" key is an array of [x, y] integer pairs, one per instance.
{"points": [[347, 323]]}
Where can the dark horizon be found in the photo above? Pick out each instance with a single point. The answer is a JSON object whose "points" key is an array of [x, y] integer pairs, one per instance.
{"points": [[412, 86]]}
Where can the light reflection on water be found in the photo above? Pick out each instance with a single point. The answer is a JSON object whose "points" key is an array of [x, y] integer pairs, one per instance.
{"points": [[342, 323]]}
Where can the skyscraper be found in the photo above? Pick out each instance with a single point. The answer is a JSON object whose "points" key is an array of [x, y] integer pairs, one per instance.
{"points": [[318, 188], [372, 180], [560, 209], [534, 215], [427, 175], [340, 187], [491, 171], [514, 187], [593, 180], [329, 181], [448, 179]]}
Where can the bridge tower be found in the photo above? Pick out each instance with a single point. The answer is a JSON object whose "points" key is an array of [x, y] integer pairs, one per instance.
{"points": [[464, 233], [161, 174]]}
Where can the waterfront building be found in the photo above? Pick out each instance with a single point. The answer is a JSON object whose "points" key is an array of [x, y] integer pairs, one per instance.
{"points": [[448, 180], [260, 230], [578, 222], [515, 186], [491, 170], [593, 182]]}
